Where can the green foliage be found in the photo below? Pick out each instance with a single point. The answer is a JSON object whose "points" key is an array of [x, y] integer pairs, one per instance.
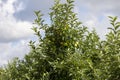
{"points": [[68, 51]]}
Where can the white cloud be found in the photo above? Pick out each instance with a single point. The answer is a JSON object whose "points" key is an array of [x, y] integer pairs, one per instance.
{"points": [[14, 34], [10, 27], [94, 22], [13, 49], [94, 13]]}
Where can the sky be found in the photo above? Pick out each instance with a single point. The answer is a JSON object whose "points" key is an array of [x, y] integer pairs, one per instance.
{"points": [[17, 16]]}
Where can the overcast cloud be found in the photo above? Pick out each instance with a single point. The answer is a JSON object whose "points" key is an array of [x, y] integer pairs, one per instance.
{"points": [[16, 18]]}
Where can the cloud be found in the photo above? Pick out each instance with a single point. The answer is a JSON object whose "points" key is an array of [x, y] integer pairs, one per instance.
{"points": [[14, 33], [94, 13], [11, 28], [101, 6], [13, 49]]}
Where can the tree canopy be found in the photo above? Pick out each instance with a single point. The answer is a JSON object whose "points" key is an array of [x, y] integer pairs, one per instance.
{"points": [[68, 51]]}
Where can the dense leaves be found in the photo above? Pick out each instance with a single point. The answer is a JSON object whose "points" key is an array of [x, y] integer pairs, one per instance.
{"points": [[68, 51]]}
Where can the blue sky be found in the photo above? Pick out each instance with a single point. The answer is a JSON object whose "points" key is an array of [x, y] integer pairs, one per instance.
{"points": [[17, 16]]}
